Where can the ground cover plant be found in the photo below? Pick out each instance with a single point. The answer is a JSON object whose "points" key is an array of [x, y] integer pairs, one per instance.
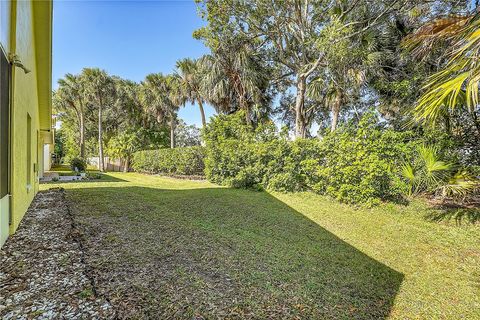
{"points": [[166, 248]]}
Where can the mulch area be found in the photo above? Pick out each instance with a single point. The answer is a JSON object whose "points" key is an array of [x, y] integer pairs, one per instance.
{"points": [[43, 274]]}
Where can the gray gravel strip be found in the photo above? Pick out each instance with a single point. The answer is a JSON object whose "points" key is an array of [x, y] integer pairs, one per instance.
{"points": [[42, 271]]}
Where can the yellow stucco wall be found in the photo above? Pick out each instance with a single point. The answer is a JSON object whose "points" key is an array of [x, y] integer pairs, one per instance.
{"points": [[30, 32]]}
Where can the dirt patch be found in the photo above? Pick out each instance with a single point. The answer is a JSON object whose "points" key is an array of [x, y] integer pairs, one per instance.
{"points": [[42, 271]]}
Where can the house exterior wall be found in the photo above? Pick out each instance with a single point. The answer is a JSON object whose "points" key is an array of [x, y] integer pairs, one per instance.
{"points": [[29, 36]]}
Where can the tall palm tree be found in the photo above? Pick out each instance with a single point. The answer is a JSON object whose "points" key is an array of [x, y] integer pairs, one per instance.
{"points": [[100, 91], [71, 95], [190, 83], [161, 97], [175, 99]]}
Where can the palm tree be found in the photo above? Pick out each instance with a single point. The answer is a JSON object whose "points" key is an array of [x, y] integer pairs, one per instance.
{"points": [[100, 91], [161, 97], [216, 85], [175, 99], [427, 172], [71, 95], [128, 102], [457, 84], [190, 83], [234, 78]]}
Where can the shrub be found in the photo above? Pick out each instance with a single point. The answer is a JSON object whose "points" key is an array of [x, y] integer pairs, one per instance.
{"points": [[361, 163], [78, 164], [235, 152], [181, 161]]}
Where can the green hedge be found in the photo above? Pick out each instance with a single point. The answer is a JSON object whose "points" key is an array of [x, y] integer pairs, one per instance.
{"points": [[359, 163], [178, 161], [356, 164]]}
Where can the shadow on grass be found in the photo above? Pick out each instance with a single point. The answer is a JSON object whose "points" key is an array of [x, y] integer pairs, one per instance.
{"points": [[457, 213], [223, 253]]}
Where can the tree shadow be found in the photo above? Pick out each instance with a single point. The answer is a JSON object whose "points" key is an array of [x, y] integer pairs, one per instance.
{"points": [[458, 213], [223, 253]]}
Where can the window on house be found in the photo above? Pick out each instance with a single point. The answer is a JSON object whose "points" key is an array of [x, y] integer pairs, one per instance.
{"points": [[4, 123], [29, 150]]}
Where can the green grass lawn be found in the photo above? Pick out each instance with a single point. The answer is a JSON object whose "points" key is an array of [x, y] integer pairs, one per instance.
{"points": [[165, 248]]}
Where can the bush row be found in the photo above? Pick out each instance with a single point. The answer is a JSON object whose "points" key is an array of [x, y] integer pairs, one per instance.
{"points": [[359, 163], [178, 161]]}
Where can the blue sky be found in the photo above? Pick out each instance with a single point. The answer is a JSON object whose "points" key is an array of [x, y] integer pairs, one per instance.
{"points": [[126, 38]]}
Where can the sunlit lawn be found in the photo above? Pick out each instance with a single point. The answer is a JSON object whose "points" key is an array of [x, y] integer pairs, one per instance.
{"points": [[166, 248]]}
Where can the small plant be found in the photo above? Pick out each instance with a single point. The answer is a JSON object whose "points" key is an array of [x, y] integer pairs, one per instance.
{"points": [[55, 179], [78, 165], [426, 172], [86, 293]]}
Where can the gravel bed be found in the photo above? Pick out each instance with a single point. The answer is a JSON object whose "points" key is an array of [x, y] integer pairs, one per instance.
{"points": [[42, 271]]}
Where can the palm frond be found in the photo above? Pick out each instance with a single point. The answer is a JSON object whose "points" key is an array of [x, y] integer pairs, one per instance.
{"points": [[461, 75], [459, 185]]}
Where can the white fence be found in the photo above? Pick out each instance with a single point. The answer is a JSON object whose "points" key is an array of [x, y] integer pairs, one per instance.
{"points": [[109, 164]]}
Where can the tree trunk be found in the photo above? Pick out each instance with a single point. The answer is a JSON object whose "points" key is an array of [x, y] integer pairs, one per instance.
{"points": [[172, 133], [81, 127], [300, 125], [336, 109], [82, 136], [202, 113], [448, 126], [100, 140], [126, 164], [247, 115], [244, 106]]}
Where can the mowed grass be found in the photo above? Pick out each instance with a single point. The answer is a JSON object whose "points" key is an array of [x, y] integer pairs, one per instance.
{"points": [[177, 249]]}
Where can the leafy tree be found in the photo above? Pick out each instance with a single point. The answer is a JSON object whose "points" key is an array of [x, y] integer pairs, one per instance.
{"points": [[71, 96], [186, 135], [295, 35], [123, 146], [306, 40]]}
